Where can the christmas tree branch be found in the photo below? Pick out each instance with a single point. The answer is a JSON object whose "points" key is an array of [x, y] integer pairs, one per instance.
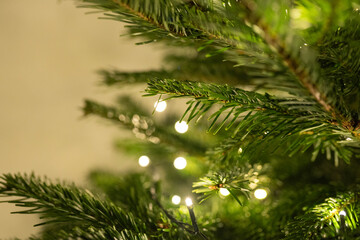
{"points": [[88, 234], [152, 20], [194, 22], [145, 193], [309, 79], [324, 220], [295, 67], [330, 20], [265, 119], [143, 127], [229, 97], [56, 203], [188, 67], [235, 181], [118, 78]]}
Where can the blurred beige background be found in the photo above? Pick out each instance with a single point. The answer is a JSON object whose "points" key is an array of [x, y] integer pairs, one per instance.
{"points": [[49, 52]]}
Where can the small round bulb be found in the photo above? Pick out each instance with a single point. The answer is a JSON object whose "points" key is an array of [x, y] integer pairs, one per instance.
{"points": [[342, 213], [176, 199], [224, 192], [260, 193], [144, 161], [180, 163], [181, 127], [160, 106], [188, 202]]}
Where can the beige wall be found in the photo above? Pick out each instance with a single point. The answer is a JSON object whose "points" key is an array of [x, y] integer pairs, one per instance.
{"points": [[49, 51]]}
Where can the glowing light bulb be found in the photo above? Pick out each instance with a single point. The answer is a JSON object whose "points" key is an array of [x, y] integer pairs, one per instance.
{"points": [[176, 199], [160, 106], [181, 127], [342, 213], [180, 163], [240, 150], [144, 161], [224, 192], [188, 202], [260, 193]]}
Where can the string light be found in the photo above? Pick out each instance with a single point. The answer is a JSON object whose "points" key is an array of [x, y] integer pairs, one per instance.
{"points": [[176, 199], [224, 192], [342, 214], [181, 127], [189, 205], [160, 106], [180, 163], [144, 161], [188, 202], [260, 193]]}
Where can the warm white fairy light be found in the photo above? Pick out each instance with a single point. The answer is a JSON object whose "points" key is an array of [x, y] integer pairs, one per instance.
{"points": [[160, 106], [260, 193], [224, 192], [144, 161], [342, 213], [348, 139], [180, 163], [181, 127], [176, 199], [188, 202]]}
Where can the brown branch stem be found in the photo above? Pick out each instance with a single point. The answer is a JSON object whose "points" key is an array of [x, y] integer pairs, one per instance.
{"points": [[293, 65]]}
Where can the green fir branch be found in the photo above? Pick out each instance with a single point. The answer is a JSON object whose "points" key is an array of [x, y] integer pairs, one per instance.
{"points": [[268, 120], [88, 234], [323, 221], [305, 74], [143, 127], [153, 20], [143, 199], [57, 204], [119, 78], [301, 61], [340, 60], [234, 180]]}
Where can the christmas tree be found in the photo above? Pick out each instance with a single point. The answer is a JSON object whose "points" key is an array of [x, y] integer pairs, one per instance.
{"points": [[267, 146]]}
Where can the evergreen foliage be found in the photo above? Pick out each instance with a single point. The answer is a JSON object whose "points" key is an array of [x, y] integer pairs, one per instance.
{"points": [[273, 91]]}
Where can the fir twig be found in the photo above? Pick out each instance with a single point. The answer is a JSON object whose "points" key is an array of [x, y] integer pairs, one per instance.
{"points": [[56, 203], [295, 67], [143, 126]]}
